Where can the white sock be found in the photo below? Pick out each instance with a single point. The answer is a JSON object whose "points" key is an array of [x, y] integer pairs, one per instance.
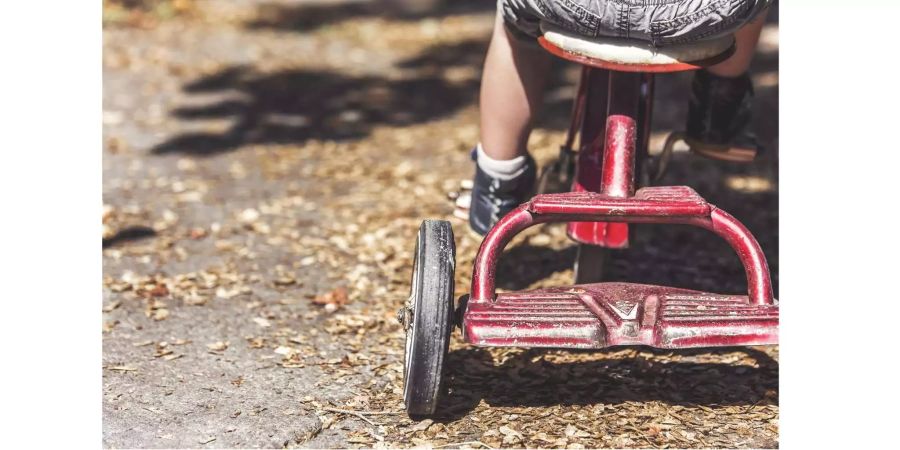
{"points": [[502, 169]]}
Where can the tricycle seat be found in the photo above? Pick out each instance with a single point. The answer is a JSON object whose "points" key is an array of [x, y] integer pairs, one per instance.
{"points": [[630, 55]]}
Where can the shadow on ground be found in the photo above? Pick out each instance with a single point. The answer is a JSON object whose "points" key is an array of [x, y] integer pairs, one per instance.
{"points": [[291, 107], [527, 379], [314, 15], [130, 234], [295, 106]]}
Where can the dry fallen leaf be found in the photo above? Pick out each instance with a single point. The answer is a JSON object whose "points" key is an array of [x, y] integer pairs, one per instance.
{"points": [[333, 300], [423, 425], [162, 350], [159, 290], [217, 346], [572, 431], [112, 305], [109, 325], [194, 299], [227, 293], [510, 436], [249, 215], [285, 280], [256, 342], [284, 351], [160, 314]]}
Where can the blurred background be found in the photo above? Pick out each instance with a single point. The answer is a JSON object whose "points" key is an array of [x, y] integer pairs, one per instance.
{"points": [[265, 168]]}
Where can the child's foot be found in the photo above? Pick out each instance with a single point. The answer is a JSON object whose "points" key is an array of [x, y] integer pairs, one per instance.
{"points": [[498, 188], [720, 116]]}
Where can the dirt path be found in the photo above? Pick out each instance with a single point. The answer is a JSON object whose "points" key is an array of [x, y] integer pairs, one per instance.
{"points": [[266, 166]]}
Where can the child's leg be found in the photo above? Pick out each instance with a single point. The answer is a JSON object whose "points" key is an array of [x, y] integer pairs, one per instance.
{"points": [[745, 39], [512, 87]]}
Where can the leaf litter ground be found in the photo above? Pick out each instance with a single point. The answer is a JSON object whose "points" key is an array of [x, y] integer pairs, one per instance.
{"points": [[266, 167]]}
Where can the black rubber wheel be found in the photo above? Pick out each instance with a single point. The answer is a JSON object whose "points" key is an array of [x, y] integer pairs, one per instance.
{"points": [[428, 317], [591, 264]]}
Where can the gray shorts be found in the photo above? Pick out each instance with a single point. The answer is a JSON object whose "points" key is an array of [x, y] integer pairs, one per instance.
{"points": [[659, 22]]}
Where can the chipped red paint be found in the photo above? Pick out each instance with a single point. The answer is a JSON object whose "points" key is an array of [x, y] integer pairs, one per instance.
{"points": [[612, 113], [602, 156], [667, 204], [605, 314], [579, 317], [617, 177]]}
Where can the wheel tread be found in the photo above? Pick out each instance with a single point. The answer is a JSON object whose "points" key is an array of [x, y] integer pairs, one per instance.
{"points": [[437, 254]]}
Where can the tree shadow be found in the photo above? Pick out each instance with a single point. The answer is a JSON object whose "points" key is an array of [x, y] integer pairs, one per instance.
{"points": [[528, 379], [293, 106], [296, 105], [314, 15]]}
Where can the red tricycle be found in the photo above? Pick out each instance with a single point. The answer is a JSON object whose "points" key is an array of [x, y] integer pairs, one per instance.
{"points": [[611, 113]]}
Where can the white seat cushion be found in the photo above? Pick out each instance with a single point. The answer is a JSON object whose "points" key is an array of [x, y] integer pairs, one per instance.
{"points": [[629, 51]]}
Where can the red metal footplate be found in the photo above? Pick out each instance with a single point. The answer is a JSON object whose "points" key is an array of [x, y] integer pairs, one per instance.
{"points": [[605, 314]]}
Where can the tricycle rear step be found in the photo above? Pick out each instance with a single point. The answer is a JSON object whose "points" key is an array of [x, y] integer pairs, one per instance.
{"points": [[606, 314]]}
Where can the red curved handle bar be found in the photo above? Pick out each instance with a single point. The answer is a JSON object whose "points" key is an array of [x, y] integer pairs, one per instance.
{"points": [[759, 283]]}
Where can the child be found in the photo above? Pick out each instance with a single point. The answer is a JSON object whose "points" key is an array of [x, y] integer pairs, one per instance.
{"points": [[515, 72]]}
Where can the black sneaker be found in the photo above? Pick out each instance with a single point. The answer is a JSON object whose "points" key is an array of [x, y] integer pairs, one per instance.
{"points": [[493, 198], [720, 118]]}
